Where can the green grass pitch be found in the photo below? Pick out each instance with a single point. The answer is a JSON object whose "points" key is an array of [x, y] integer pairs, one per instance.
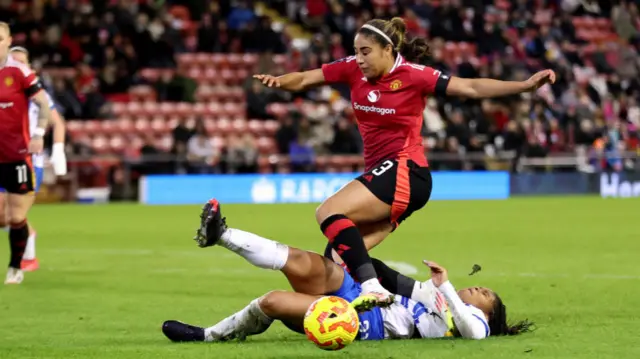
{"points": [[110, 275]]}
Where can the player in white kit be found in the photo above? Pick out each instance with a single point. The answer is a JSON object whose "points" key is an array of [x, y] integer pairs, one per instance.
{"points": [[435, 310], [58, 160]]}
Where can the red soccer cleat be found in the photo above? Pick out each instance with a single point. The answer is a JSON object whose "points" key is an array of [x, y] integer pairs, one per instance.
{"points": [[29, 265]]}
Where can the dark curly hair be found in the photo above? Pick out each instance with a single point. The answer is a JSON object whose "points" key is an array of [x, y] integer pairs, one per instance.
{"points": [[498, 324]]}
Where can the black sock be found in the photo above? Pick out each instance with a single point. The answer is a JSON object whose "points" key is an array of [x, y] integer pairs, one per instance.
{"points": [[392, 280], [328, 251], [18, 235], [345, 238]]}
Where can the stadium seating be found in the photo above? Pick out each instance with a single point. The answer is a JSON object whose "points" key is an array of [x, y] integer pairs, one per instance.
{"points": [[222, 77]]}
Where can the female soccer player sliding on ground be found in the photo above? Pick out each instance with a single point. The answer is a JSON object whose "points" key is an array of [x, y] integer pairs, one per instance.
{"points": [[19, 85], [474, 313], [388, 94]]}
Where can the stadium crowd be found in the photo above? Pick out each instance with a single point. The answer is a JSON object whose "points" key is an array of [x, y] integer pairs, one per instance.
{"points": [[95, 58]]}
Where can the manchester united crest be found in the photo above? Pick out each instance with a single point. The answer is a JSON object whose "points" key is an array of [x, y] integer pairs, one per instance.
{"points": [[8, 81], [396, 84]]}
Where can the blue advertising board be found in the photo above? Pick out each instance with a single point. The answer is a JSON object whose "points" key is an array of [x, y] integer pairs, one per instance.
{"points": [[303, 188]]}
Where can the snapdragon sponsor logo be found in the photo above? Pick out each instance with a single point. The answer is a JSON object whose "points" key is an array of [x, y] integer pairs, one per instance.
{"points": [[4, 105], [374, 109]]}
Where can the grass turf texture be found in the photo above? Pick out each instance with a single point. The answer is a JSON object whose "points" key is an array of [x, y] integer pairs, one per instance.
{"points": [[110, 275]]}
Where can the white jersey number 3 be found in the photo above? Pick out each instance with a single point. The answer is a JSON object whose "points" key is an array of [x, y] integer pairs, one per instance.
{"points": [[384, 167]]}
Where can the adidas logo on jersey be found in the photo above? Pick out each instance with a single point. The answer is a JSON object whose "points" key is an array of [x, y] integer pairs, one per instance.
{"points": [[378, 110]]}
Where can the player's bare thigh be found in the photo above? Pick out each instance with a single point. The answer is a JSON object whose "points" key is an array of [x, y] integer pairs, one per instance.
{"points": [[374, 233], [287, 306], [311, 273], [356, 202], [19, 205]]}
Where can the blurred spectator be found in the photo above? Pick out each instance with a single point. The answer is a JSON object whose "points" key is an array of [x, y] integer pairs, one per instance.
{"points": [[345, 138], [175, 87], [242, 154], [257, 101], [203, 157], [286, 134]]}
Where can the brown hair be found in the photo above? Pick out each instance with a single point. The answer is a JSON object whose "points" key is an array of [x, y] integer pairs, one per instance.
{"points": [[414, 50]]}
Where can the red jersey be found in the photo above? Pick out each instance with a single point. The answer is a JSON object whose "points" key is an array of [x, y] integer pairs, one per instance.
{"points": [[389, 110], [17, 84]]}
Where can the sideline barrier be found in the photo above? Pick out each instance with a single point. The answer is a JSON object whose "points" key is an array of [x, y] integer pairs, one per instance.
{"points": [[303, 188]]}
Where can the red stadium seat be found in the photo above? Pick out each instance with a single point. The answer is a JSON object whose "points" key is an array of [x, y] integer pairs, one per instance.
{"points": [[135, 109], [92, 127], [142, 125], [266, 145], [250, 60], [75, 128], [119, 109], [271, 126], [107, 127], [150, 74], [277, 109], [239, 126], [167, 109], [124, 125], [203, 60], [223, 126], [234, 110], [165, 143], [218, 142], [142, 93], [219, 60], [234, 60], [256, 127], [159, 125], [100, 144], [117, 144], [186, 58]]}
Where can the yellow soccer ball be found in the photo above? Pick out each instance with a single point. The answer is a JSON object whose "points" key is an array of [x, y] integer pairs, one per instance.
{"points": [[331, 323]]}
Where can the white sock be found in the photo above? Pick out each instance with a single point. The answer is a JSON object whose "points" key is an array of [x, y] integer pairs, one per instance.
{"points": [[30, 250], [249, 321], [417, 287], [259, 251]]}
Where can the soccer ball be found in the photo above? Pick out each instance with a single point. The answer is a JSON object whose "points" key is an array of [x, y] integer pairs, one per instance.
{"points": [[331, 323]]}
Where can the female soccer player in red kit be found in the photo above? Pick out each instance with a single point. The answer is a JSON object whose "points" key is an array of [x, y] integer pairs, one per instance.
{"points": [[388, 95], [18, 85]]}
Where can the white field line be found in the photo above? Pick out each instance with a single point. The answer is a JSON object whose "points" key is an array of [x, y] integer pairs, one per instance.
{"points": [[402, 267]]}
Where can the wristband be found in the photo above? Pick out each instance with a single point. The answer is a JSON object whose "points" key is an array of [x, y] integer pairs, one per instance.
{"points": [[39, 131]]}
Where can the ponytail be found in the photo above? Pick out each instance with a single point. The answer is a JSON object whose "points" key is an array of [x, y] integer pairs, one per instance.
{"points": [[394, 33]]}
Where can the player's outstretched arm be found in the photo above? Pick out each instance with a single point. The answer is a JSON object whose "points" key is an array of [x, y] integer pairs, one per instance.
{"points": [[486, 88], [469, 324], [294, 81]]}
